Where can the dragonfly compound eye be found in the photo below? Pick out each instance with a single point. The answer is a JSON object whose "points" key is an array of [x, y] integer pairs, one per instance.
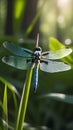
{"points": [[38, 49]]}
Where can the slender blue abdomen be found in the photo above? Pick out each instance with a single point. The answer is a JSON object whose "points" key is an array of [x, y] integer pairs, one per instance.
{"points": [[35, 78]]}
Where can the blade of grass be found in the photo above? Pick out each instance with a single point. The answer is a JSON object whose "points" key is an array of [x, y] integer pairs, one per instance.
{"points": [[14, 92], [59, 97], [19, 7], [33, 22], [24, 101], [10, 125], [5, 109], [10, 86]]}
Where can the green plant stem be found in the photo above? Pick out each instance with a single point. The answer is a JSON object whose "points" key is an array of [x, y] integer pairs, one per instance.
{"points": [[5, 109], [24, 101]]}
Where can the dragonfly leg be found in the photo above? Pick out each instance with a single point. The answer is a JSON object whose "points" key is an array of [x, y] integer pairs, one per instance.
{"points": [[41, 61], [45, 53]]}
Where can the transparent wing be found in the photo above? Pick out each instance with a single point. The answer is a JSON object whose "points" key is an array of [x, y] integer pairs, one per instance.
{"points": [[57, 54], [54, 66], [19, 51], [17, 62]]}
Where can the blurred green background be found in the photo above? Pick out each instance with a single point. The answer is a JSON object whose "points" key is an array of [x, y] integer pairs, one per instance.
{"points": [[20, 21]]}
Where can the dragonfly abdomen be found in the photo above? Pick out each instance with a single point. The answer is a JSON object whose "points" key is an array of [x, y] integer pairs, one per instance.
{"points": [[35, 78]]}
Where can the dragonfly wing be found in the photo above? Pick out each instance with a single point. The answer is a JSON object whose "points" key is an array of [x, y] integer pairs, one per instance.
{"points": [[17, 62], [58, 54], [19, 51], [54, 66]]}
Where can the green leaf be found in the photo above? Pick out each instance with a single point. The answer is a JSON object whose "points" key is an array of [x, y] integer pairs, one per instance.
{"points": [[59, 97], [54, 44]]}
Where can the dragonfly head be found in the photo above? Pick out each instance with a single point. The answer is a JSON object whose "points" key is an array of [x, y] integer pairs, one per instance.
{"points": [[37, 51]]}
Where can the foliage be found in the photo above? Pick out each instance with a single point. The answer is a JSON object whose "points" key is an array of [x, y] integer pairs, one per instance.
{"points": [[50, 111]]}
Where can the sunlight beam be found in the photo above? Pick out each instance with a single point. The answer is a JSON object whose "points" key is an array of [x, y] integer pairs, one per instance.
{"points": [[62, 2]]}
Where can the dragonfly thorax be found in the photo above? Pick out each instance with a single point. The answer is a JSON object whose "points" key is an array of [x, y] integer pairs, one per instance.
{"points": [[37, 55]]}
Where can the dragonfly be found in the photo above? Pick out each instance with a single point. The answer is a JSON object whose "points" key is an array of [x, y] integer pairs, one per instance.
{"points": [[47, 61]]}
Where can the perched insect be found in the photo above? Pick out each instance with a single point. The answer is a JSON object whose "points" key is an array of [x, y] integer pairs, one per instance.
{"points": [[25, 58]]}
